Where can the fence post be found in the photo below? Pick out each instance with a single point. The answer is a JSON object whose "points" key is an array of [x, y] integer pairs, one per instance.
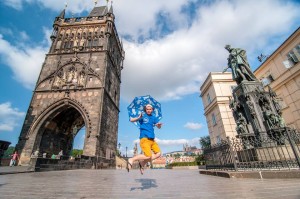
{"points": [[232, 153], [293, 146]]}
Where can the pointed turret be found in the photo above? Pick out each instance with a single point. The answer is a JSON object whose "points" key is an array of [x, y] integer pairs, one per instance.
{"points": [[111, 10], [62, 14]]}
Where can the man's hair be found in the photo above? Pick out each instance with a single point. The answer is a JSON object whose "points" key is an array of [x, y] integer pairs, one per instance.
{"points": [[149, 105]]}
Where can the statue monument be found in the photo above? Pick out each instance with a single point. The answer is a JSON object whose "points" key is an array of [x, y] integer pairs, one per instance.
{"points": [[256, 111]]}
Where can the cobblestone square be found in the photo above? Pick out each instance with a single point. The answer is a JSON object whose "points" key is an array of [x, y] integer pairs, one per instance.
{"points": [[163, 183]]}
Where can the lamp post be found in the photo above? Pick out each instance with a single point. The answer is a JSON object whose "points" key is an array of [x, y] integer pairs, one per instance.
{"points": [[126, 152], [119, 146]]}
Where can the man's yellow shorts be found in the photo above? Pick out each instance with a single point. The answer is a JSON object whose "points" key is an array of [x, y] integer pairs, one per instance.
{"points": [[147, 145]]}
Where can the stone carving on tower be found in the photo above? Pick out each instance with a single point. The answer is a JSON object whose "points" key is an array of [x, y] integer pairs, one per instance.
{"points": [[78, 86]]}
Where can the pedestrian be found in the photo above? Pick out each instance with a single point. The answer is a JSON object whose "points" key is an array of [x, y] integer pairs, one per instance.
{"points": [[147, 122], [14, 159]]}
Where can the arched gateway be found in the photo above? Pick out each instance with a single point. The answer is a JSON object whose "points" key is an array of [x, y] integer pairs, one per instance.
{"points": [[78, 86]]}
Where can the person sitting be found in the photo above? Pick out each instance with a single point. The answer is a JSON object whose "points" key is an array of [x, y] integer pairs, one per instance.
{"points": [[53, 156]]}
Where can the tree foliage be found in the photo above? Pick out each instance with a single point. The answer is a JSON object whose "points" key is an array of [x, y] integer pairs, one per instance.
{"points": [[205, 142], [9, 152], [76, 152]]}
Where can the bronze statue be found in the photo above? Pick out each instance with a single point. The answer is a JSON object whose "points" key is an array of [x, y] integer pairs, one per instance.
{"points": [[239, 65]]}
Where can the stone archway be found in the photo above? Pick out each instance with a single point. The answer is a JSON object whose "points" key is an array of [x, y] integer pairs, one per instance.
{"points": [[55, 129], [59, 130]]}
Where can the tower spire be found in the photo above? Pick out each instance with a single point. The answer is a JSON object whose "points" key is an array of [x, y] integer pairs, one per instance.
{"points": [[111, 7]]}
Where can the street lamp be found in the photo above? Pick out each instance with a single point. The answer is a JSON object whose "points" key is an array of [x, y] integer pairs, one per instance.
{"points": [[126, 152], [119, 152]]}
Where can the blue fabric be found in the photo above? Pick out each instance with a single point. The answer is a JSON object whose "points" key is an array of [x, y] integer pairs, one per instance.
{"points": [[147, 123], [136, 107]]}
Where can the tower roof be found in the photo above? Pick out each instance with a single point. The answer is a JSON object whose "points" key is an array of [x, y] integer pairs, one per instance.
{"points": [[111, 10], [98, 11], [62, 14]]}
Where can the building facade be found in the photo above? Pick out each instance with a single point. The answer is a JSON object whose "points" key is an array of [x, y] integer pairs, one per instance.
{"points": [[216, 92], [78, 86], [281, 72]]}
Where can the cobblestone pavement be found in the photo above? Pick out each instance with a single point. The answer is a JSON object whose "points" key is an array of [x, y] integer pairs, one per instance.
{"points": [[84, 184]]}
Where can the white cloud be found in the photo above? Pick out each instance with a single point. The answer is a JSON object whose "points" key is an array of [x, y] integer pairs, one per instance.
{"points": [[24, 60], [16, 4], [6, 31], [9, 116], [193, 126], [24, 36], [174, 66], [178, 142]]}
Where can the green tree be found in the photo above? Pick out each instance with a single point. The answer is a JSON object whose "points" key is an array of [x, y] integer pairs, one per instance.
{"points": [[76, 152], [177, 155], [9, 152], [205, 142]]}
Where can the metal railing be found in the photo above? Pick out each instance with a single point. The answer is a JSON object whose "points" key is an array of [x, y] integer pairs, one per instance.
{"points": [[277, 150]]}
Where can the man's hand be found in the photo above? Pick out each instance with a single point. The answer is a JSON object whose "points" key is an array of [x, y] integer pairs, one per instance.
{"points": [[158, 125], [140, 116]]}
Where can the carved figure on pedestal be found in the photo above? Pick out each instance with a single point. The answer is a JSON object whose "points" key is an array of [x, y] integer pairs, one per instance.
{"points": [[75, 80], [71, 75], [275, 100], [234, 105], [241, 124], [273, 120], [81, 79], [250, 105], [239, 65], [58, 81]]}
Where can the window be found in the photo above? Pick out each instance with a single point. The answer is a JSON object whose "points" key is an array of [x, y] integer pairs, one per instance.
{"points": [[89, 43], [208, 98], [293, 57], [95, 42], [218, 139], [267, 80], [58, 44], [298, 49], [213, 117]]}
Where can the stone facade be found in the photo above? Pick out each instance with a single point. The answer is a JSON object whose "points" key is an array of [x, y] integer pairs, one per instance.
{"points": [[79, 85], [281, 71], [215, 93]]}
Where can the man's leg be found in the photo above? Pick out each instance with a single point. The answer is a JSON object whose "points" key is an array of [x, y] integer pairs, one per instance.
{"points": [[155, 148], [140, 157], [153, 157], [145, 145]]}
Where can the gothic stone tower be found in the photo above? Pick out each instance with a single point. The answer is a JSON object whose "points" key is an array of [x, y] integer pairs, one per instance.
{"points": [[78, 86]]}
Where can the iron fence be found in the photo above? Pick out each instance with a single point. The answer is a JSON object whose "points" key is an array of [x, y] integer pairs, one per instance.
{"points": [[277, 150]]}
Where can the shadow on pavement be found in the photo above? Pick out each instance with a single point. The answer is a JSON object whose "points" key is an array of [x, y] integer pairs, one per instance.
{"points": [[3, 184], [145, 184]]}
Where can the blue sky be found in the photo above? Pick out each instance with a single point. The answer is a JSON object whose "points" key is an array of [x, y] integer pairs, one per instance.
{"points": [[170, 47]]}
